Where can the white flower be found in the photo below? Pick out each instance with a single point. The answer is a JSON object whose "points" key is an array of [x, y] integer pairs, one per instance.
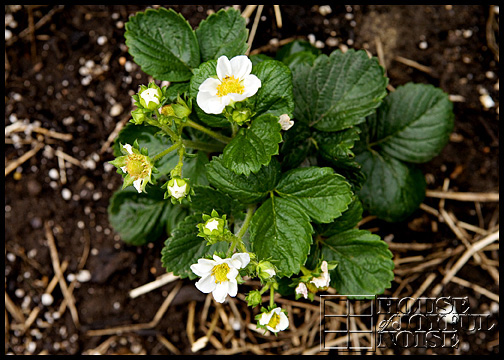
{"points": [[212, 225], [137, 166], [286, 122], [324, 279], [270, 272], [177, 191], [275, 320], [218, 276], [234, 83], [149, 95], [128, 148], [302, 290]]}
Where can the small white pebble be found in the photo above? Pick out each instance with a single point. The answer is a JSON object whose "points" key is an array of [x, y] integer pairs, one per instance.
{"points": [[423, 45], [319, 44], [490, 74], [83, 276], [11, 257], [80, 224], [311, 38], [89, 164], [17, 97], [129, 66], [69, 120], [97, 196], [54, 174], [494, 307], [102, 40], [496, 9], [95, 251], [325, 10], [47, 299], [66, 194], [332, 41], [86, 81], [56, 315], [31, 347], [487, 101], [116, 110], [70, 277], [8, 34], [349, 16], [467, 33], [89, 64], [117, 305], [19, 293], [32, 253]]}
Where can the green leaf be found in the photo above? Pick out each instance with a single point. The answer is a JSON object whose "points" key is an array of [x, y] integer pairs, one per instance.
{"points": [[296, 145], [393, 190], [175, 90], [194, 169], [140, 218], [248, 189], [253, 147], [275, 94], [185, 247], [364, 266], [150, 138], [280, 231], [337, 146], [163, 43], [222, 33], [206, 199], [414, 123], [257, 58], [321, 193], [338, 91], [296, 47], [348, 220], [204, 71]]}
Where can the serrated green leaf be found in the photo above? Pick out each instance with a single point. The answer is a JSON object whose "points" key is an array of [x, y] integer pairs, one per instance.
{"points": [[257, 58], [348, 220], [337, 146], [321, 193], [253, 147], [339, 90], [150, 138], [296, 47], [163, 43], [248, 189], [206, 199], [204, 71], [175, 90], [280, 231], [185, 247], [296, 145], [275, 94], [364, 266], [414, 123], [222, 33], [140, 218], [393, 189], [194, 169]]}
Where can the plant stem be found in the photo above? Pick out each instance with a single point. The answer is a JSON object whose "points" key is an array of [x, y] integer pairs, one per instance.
{"points": [[215, 135], [198, 145], [165, 152], [238, 237], [272, 297]]}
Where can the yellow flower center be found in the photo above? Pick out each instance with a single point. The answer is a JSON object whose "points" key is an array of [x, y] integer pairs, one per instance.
{"points": [[136, 166], [230, 85], [220, 272], [167, 110], [274, 321]]}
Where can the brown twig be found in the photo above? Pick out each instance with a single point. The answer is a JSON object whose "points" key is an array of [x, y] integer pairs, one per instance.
{"points": [[413, 64], [490, 33], [23, 158], [248, 11], [167, 344], [254, 29], [114, 134], [13, 309], [57, 270], [476, 288], [463, 196], [278, 15]]}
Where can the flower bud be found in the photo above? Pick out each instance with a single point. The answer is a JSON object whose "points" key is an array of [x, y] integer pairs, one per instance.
{"points": [[150, 97], [254, 298], [241, 116], [285, 122], [214, 226], [177, 188], [265, 270], [138, 116]]}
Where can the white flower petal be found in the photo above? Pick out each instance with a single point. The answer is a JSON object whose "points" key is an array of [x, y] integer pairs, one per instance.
{"points": [[220, 292], [149, 95], [232, 288], [244, 259], [206, 284], [224, 67], [236, 97], [323, 267], [265, 318], [138, 185], [124, 169], [217, 259], [284, 322], [232, 274], [210, 85], [127, 147], [251, 84], [302, 290], [241, 66], [211, 104], [203, 267]]}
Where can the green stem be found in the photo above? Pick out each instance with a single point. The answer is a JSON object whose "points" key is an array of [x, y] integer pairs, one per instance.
{"points": [[209, 132], [272, 297], [198, 145], [170, 132], [238, 237], [165, 152]]}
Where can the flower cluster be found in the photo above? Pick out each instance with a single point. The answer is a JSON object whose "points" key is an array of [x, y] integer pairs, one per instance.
{"points": [[135, 166]]}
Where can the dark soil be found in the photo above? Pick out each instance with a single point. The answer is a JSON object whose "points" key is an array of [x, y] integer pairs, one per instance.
{"points": [[43, 84]]}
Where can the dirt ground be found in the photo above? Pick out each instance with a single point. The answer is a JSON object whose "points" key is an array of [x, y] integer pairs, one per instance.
{"points": [[68, 83]]}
